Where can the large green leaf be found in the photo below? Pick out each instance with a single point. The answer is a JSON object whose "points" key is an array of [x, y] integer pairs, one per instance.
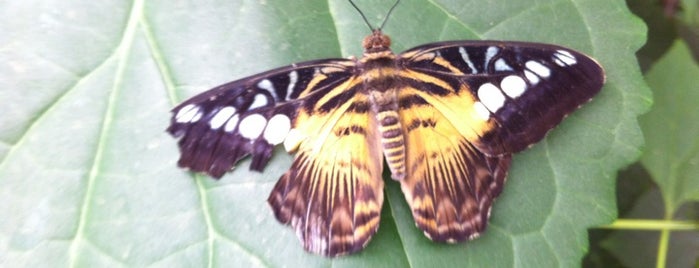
{"points": [[88, 176]]}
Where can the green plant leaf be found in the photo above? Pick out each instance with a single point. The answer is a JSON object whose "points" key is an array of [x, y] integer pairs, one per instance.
{"points": [[672, 144], [88, 176]]}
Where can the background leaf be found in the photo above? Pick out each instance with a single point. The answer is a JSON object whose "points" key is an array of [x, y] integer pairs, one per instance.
{"points": [[639, 248], [658, 222], [88, 176], [672, 158]]}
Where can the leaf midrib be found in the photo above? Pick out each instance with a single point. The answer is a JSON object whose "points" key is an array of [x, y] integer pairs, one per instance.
{"points": [[121, 54]]}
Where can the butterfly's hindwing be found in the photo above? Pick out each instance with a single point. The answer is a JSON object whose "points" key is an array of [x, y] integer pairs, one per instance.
{"points": [[450, 185], [333, 192], [524, 88], [249, 116]]}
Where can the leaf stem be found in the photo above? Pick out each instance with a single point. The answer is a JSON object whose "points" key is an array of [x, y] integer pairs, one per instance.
{"points": [[662, 248], [654, 225], [665, 226]]}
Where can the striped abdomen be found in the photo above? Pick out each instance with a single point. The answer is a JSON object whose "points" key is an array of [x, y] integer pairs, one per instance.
{"points": [[392, 141]]}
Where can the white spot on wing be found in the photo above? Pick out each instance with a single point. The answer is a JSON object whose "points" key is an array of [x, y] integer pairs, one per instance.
{"points": [[252, 126], [513, 86], [260, 100], [221, 117], [482, 112], [232, 123], [277, 129], [491, 97], [501, 65], [564, 58], [197, 116], [187, 114], [474, 236], [185, 110], [428, 235], [267, 85], [293, 78], [489, 54], [538, 68], [464, 56], [533, 79]]}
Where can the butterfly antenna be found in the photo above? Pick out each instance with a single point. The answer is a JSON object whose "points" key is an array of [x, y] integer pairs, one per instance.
{"points": [[388, 14], [363, 17]]}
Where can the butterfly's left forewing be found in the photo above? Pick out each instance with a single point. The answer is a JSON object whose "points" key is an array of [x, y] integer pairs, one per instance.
{"points": [[520, 90]]}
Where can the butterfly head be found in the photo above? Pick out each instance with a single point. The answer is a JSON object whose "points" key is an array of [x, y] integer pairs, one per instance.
{"points": [[376, 42]]}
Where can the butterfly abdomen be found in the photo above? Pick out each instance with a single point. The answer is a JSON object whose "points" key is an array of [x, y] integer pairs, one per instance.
{"points": [[393, 142]]}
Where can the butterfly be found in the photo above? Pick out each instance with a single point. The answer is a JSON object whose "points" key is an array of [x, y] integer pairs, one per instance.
{"points": [[445, 116]]}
